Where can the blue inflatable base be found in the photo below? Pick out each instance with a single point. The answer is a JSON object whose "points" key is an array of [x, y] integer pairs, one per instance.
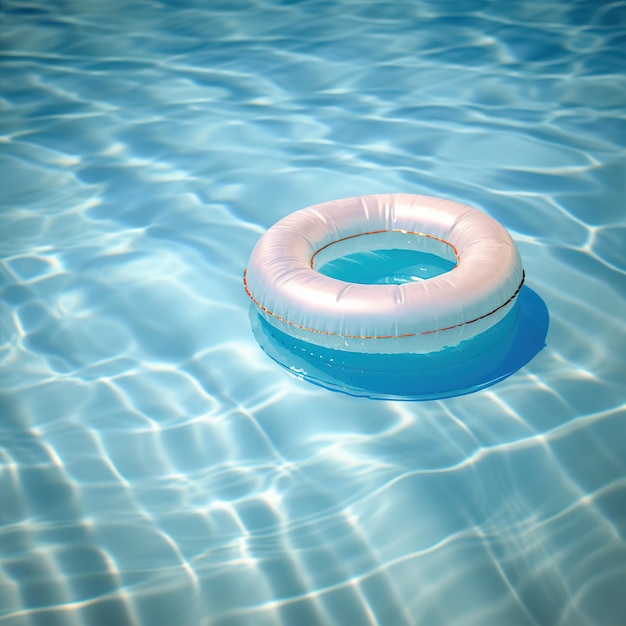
{"points": [[472, 365]]}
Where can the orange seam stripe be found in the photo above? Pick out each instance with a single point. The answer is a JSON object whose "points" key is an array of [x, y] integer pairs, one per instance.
{"points": [[425, 332]]}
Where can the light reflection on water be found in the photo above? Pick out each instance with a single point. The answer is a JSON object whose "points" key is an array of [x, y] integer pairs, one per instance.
{"points": [[156, 466]]}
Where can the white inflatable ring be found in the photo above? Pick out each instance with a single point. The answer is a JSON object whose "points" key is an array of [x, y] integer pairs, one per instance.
{"points": [[283, 281]]}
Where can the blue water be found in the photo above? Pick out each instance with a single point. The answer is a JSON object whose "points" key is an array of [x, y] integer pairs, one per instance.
{"points": [[157, 468], [387, 267]]}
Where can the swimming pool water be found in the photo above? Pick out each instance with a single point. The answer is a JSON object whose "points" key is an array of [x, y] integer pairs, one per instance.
{"points": [[386, 267], [156, 467]]}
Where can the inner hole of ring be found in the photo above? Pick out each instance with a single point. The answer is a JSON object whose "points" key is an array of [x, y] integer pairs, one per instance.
{"points": [[385, 257]]}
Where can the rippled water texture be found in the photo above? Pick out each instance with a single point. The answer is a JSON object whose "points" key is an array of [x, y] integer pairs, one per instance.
{"points": [[157, 467]]}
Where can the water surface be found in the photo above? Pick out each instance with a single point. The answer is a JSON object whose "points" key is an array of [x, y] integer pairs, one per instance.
{"points": [[157, 467]]}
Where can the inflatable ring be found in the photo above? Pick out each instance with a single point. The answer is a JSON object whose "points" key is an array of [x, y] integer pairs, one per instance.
{"points": [[283, 281]]}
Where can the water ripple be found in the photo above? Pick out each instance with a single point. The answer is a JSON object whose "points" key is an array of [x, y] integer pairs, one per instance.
{"points": [[155, 467]]}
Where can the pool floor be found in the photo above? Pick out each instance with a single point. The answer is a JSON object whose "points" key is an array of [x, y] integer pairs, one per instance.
{"points": [[157, 467]]}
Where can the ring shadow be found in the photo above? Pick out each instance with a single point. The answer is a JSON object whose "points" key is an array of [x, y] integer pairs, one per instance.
{"points": [[471, 366]]}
